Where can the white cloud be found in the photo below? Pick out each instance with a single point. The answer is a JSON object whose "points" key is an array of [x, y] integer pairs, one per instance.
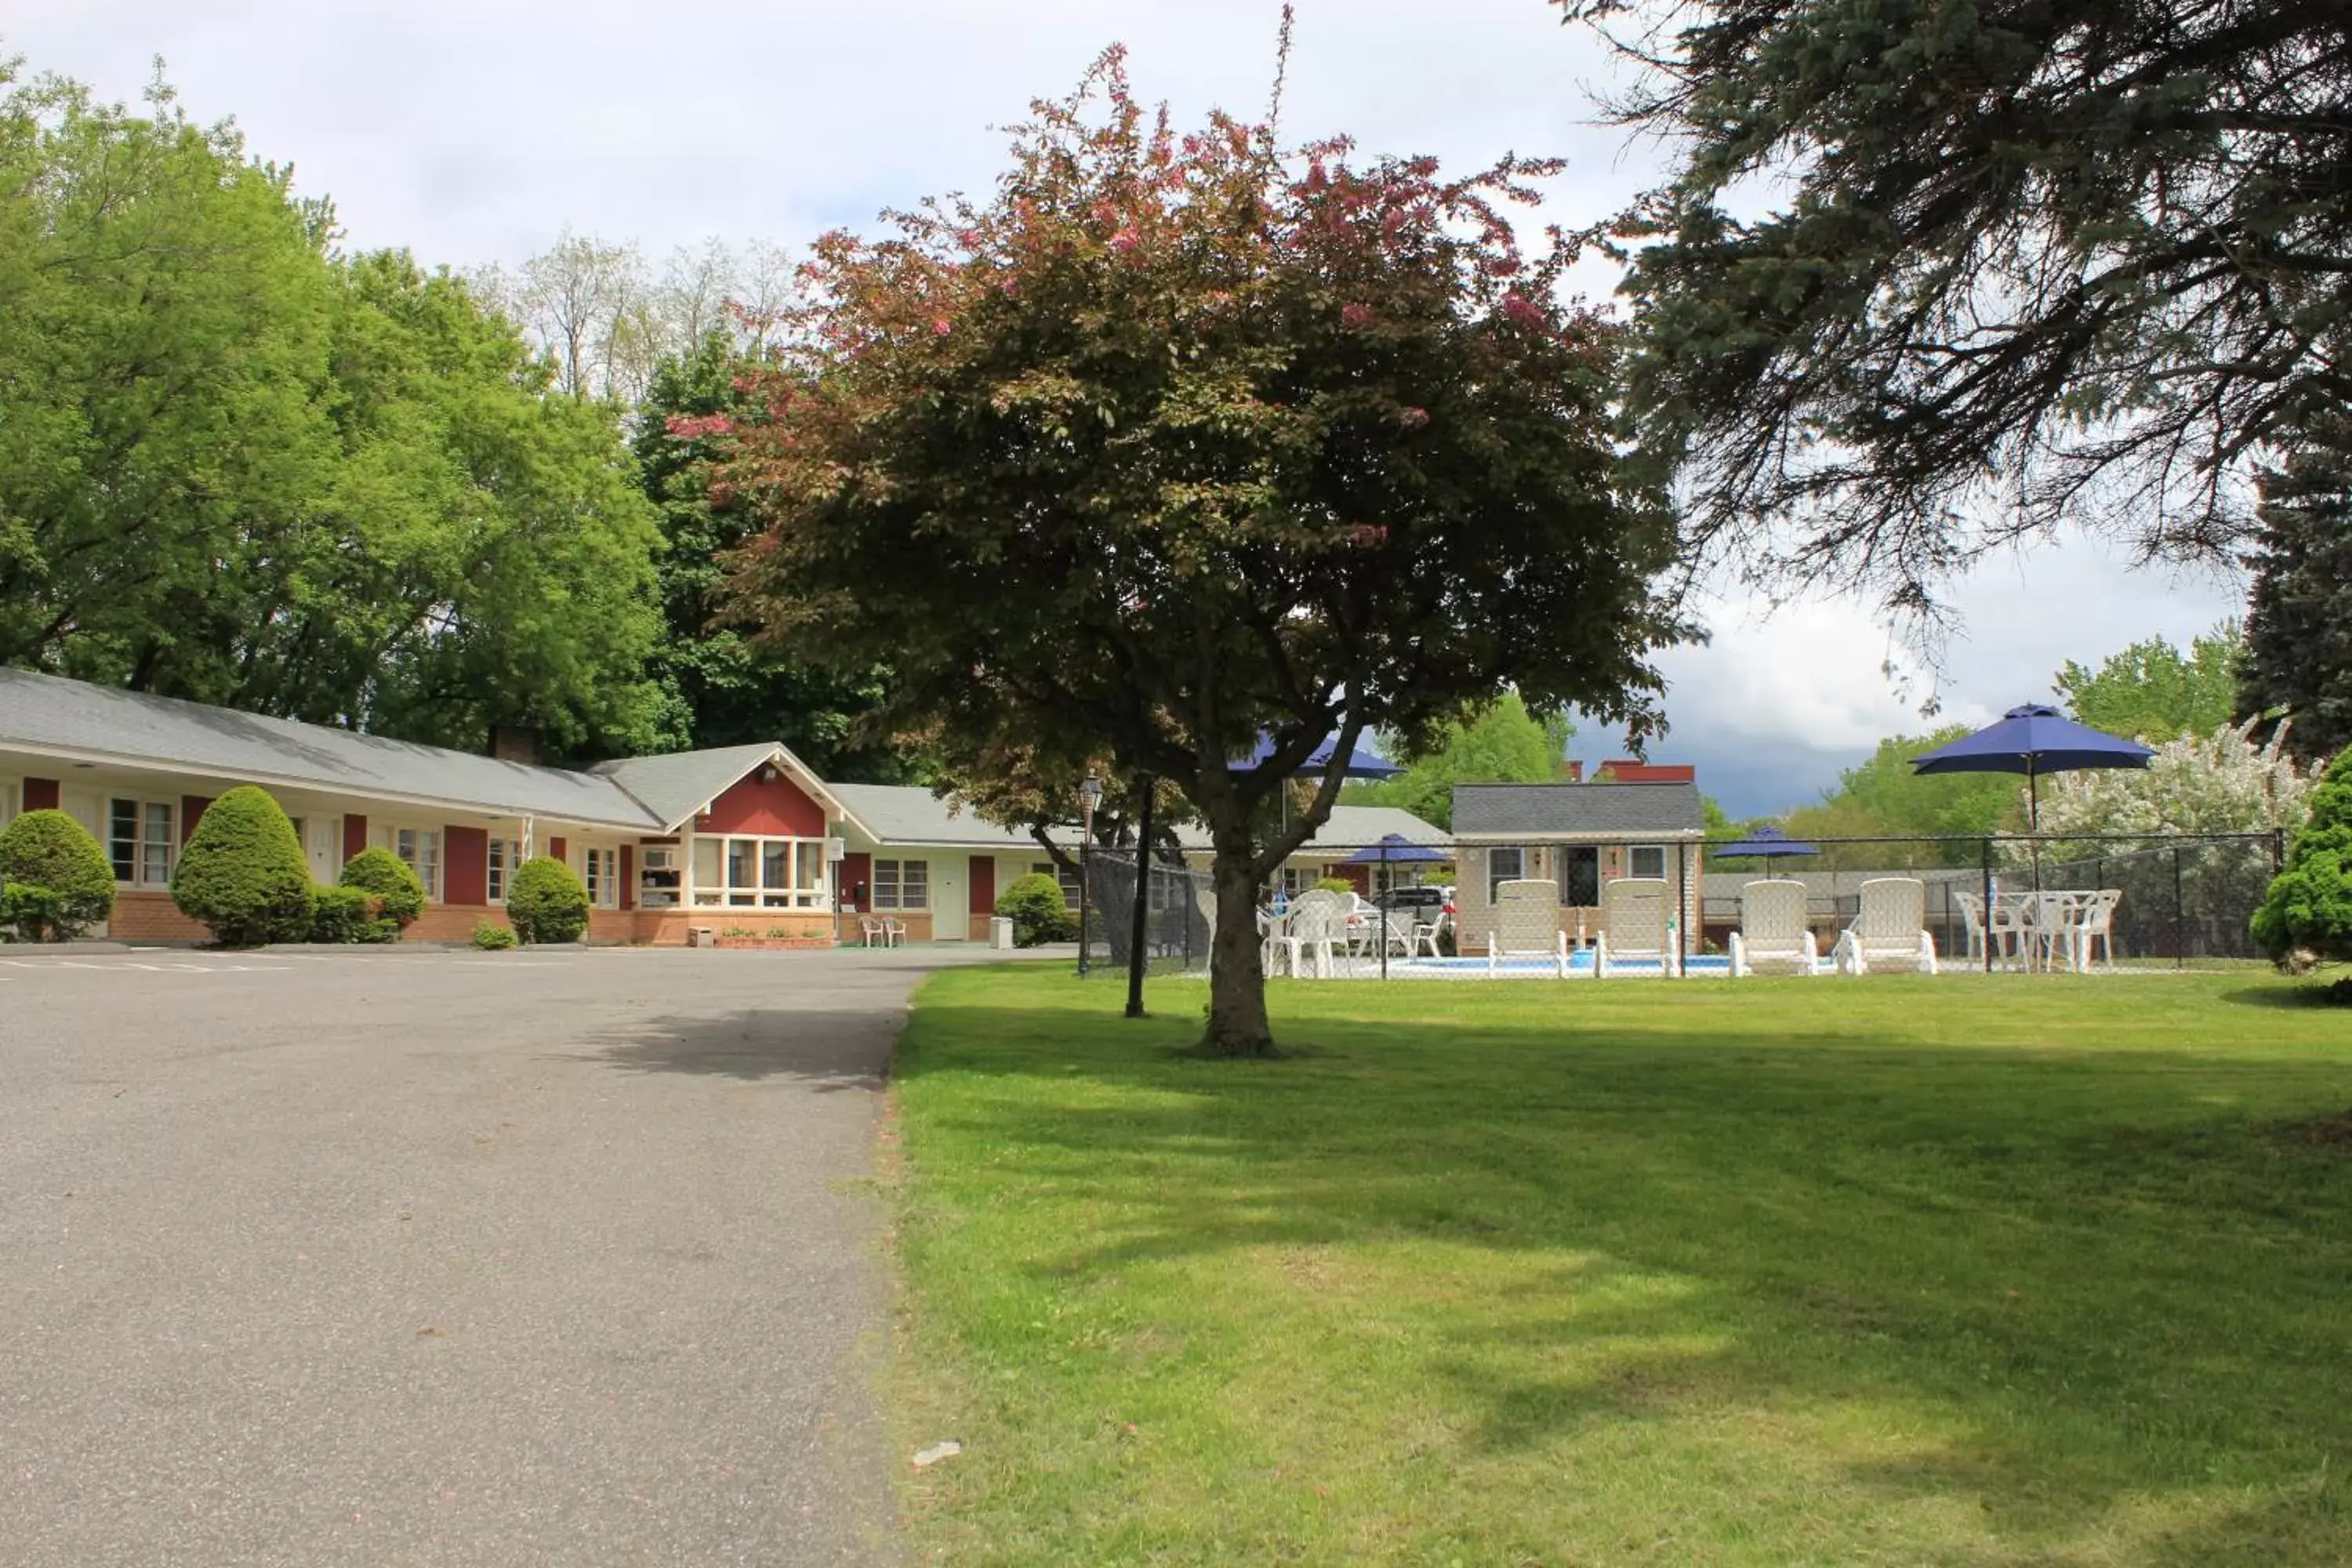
{"points": [[474, 132]]}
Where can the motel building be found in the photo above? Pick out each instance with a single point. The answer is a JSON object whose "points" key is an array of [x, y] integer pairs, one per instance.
{"points": [[737, 839]]}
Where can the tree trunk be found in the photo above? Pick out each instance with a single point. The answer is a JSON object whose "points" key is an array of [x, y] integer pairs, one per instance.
{"points": [[1237, 1022]]}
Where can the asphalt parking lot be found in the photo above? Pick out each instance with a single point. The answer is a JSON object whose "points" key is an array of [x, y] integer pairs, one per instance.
{"points": [[444, 1258]]}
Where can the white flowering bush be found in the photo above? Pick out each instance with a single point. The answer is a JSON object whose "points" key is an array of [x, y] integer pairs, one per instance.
{"points": [[2220, 782], [2195, 897]]}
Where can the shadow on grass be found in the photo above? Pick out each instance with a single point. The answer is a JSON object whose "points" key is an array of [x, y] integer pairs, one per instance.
{"points": [[2311, 994], [2107, 1276]]}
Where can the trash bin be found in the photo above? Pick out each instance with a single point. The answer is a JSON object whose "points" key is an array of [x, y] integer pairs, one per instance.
{"points": [[1000, 933]]}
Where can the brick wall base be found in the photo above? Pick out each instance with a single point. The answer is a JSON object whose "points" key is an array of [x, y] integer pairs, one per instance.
{"points": [[151, 917]]}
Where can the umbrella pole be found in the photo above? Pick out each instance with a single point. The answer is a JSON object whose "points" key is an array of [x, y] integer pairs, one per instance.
{"points": [[2033, 821]]}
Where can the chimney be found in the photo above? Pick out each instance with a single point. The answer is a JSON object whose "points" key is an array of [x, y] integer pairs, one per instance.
{"points": [[515, 744]]}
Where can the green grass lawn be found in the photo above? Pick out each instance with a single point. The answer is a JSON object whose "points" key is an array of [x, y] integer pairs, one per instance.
{"points": [[1957, 1271]]}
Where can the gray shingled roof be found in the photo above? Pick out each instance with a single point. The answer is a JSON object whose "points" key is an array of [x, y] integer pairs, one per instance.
{"points": [[910, 813], [1609, 811], [47, 711], [1350, 828], [675, 785]]}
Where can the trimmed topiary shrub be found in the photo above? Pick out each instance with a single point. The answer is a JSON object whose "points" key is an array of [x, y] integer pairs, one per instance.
{"points": [[547, 902], [1334, 885], [2309, 908], [242, 872], [347, 914], [492, 937], [63, 881], [1034, 905], [399, 894]]}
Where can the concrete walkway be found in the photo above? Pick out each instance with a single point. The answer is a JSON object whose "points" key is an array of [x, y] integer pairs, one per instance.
{"points": [[429, 1258]]}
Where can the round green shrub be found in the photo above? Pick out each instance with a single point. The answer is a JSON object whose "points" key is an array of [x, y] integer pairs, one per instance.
{"points": [[492, 937], [547, 902], [1034, 905], [2309, 907], [242, 872], [50, 852], [399, 893], [1334, 885], [346, 914]]}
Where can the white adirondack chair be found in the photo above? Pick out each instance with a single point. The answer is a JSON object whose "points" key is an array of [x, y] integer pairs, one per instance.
{"points": [[1527, 923], [1891, 927], [1773, 932], [1634, 911]]}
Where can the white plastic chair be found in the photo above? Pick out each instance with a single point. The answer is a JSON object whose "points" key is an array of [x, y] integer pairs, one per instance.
{"points": [[1633, 927], [1773, 931], [1890, 927], [2095, 923], [1318, 926]]}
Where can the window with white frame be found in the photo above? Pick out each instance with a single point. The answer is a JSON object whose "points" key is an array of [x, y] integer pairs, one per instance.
{"points": [[600, 869], [504, 855], [140, 840], [1067, 876], [12, 801], [759, 872], [1298, 879], [902, 884], [1505, 863], [1647, 860], [420, 850]]}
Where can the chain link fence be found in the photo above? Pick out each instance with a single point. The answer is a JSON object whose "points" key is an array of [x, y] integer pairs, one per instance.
{"points": [[1436, 911]]}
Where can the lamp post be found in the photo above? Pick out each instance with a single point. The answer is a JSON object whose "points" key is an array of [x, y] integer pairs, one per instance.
{"points": [[1089, 796]]}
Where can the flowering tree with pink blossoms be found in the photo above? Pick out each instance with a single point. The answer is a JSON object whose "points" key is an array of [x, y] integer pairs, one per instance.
{"points": [[1181, 439]]}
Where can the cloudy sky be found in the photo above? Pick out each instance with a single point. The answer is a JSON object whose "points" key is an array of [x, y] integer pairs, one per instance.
{"points": [[476, 132]]}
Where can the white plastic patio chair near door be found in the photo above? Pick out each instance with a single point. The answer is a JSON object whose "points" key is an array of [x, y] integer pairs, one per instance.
{"points": [[1636, 921], [1773, 932], [1889, 929]]}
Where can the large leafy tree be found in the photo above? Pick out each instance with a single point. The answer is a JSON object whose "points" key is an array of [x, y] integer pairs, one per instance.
{"points": [[1931, 275], [1502, 744], [240, 468], [2154, 691], [2298, 656], [723, 688], [1178, 440]]}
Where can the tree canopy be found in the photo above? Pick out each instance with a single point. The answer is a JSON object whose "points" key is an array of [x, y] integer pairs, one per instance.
{"points": [[720, 689], [240, 467], [2016, 262], [1504, 744], [1181, 439], [2298, 655], [2154, 691]]}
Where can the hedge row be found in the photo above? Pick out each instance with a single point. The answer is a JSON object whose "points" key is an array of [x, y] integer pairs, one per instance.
{"points": [[242, 874]]}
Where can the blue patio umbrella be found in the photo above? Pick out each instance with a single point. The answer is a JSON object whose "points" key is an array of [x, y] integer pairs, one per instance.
{"points": [[1395, 850], [1361, 764], [2034, 740], [1765, 843]]}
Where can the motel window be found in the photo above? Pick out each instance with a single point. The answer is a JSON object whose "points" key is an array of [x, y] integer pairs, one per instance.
{"points": [[505, 855], [902, 884], [1065, 874], [1298, 879], [419, 848], [139, 840], [1506, 863], [12, 801], [1647, 860], [758, 873], [601, 870]]}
